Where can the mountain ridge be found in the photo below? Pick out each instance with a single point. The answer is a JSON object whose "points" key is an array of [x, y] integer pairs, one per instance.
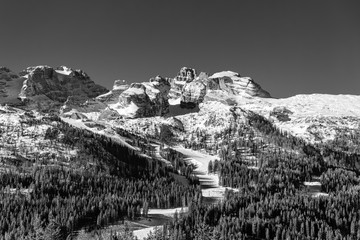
{"points": [[314, 117]]}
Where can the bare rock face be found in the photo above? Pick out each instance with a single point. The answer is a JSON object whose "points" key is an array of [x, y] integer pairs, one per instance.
{"points": [[210, 83], [145, 99], [192, 94], [113, 96], [184, 76], [56, 85], [233, 83], [10, 86]]}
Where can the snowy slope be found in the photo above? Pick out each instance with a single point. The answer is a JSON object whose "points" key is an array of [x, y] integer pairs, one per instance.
{"points": [[314, 117]]}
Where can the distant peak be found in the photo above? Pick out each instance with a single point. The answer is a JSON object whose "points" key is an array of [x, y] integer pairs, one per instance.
{"points": [[4, 69], [186, 74]]}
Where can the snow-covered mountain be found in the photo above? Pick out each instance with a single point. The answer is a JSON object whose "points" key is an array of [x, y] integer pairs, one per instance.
{"points": [[47, 87], [207, 103]]}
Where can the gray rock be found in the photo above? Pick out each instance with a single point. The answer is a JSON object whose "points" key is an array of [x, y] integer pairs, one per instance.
{"points": [[113, 95], [57, 85], [146, 99], [233, 83], [192, 94]]}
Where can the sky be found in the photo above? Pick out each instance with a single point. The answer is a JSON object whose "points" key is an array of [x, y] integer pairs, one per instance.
{"points": [[289, 47]]}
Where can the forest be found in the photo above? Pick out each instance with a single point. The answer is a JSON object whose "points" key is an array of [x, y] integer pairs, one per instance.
{"points": [[108, 181], [273, 202]]}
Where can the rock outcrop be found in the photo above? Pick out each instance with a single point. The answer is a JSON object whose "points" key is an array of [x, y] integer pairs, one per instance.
{"points": [[233, 83], [227, 82], [177, 83], [192, 94], [113, 95], [57, 85], [145, 99], [186, 74]]}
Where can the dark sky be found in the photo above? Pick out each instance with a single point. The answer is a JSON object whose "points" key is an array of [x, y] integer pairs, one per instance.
{"points": [[288, 47]]}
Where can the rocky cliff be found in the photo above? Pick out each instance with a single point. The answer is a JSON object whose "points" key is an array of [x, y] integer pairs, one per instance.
{"points": [[113, 95], [233, 83], [145, 99], [56, 85], [229, 83], [177, 83]]}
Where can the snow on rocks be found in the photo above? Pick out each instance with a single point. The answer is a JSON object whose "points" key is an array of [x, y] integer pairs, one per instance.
{"points": [[313, 117], [145, 99], [113, 96], [232, 82]]}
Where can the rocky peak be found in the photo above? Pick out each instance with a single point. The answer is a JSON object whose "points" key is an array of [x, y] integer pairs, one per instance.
{"points": [[227, 82], [192, 94], [145, 99], [186, 74], [46, 84], [112, 96], [233, 83]]}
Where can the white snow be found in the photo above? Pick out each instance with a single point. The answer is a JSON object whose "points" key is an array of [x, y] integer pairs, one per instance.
{"points": [[201, 161], [65, 71], [224, 74], [174, 101], [312, 184], [135, 91], [320, 194], [107, 132], [128, 111], [143, 233], [312, 114], [168, 212]]}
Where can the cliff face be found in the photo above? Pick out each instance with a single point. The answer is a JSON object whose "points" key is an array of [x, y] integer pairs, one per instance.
{"points": [[113, 95], [65, 89], [185, 75], [230, 83], [57, 84], [145, 99], [233, 83], [192, 94]]}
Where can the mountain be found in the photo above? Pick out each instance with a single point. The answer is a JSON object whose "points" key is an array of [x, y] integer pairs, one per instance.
{"points": [[49, 87], [100, 157], [188, 95]]}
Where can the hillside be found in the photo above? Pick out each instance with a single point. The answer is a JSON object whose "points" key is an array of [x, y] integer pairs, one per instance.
{"points": [[77, 159]]}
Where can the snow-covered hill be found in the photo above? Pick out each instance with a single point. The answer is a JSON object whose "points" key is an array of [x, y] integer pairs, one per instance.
{"points": [[314, 117]]}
